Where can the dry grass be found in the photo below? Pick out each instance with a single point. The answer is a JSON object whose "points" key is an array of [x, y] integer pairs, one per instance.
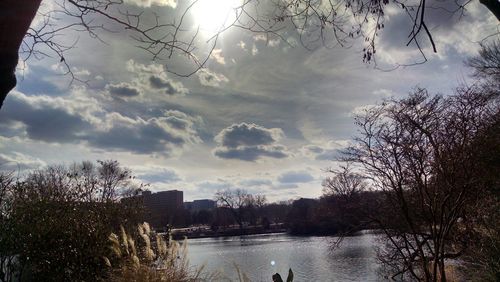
{"points": [[151, 258]]}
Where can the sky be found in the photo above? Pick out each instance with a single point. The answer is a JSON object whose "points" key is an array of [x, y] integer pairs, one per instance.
{"points": [[264, 114]]}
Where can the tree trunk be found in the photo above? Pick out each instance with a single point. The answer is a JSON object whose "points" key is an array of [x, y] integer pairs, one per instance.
{"points": [[493, 6], [15, 19]]}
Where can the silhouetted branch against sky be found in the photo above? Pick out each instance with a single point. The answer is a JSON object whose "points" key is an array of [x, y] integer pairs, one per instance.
{"points": [[167, 28]]}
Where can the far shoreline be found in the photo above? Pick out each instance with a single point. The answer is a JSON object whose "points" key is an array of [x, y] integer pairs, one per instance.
{"points": [[197, 233]]}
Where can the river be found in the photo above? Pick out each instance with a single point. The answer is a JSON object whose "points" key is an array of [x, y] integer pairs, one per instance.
{"points": [[311, 258]]}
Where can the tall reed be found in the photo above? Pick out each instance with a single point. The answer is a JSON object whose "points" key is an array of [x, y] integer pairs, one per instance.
{"points": [[151, 257]]}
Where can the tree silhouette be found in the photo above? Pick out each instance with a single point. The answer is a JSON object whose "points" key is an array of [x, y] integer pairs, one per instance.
{"points": [[421, 152], [240, 203]]}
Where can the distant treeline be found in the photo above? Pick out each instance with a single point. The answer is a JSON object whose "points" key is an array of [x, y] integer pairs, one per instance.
{"points": [[328, 215]]}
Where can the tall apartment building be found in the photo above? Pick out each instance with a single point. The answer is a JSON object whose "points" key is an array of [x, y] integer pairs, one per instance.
{"points": [[162, 207]]}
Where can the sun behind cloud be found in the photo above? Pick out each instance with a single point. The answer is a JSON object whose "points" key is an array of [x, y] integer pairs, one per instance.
{"points": [[212, 16]]}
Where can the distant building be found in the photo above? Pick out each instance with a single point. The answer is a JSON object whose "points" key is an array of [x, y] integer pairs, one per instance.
{"points": [[198, 205], [162, 207]]}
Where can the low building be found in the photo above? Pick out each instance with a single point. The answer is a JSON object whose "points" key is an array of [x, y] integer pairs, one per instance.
{"points": [[198, 205]]}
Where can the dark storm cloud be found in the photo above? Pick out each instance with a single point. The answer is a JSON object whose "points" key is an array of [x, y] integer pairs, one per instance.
{"points": [[244, 134], [251, 153], [153, 135], [170, 87], [66, 120], [123, 138], [43, 120], [295, 177], [249, 142], [123, 90]]}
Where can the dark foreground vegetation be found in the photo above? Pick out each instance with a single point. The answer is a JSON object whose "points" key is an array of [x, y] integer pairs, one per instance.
{"points": [[423, 170], [435, 161], [55, 223]]}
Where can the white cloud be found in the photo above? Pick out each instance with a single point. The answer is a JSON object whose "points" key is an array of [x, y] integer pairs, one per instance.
{"points": [[154, 78], [360, 110], [157, 175], [255, 51], [149, 3], [242, 45], [274, 42], [269, 41], [19, 161], [210, 78], [330, 151], [218, 57], [384, 93]]}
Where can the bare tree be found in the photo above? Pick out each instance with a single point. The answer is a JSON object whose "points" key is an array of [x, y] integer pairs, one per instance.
{"points": [[420, 152], [487, 63], [254, 208], [238, 202], [234, 201], [7, 260], [6, 181], [344, 202], [345, 183], [481, 259], [113, 177]]}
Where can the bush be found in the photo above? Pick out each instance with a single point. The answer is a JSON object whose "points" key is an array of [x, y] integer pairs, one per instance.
{"points": [[57, 222]]}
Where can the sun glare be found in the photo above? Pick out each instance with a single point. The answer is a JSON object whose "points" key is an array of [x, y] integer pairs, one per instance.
{"points": [[214, 15]]}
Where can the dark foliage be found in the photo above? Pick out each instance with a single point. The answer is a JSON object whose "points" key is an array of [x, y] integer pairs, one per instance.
{"points": [[58, 220]]}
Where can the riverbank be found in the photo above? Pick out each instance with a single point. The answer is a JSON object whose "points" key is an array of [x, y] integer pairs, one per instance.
{"points": [[206, 232]]}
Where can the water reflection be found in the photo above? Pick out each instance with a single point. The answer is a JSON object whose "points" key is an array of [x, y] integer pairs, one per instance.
{"points": [[311, 258]]}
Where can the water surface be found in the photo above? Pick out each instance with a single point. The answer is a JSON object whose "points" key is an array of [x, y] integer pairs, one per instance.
{"points": [[311, 258]]}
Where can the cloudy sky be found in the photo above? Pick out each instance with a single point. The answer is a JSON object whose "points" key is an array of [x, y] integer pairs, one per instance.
{"points": [[265, 115]]}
